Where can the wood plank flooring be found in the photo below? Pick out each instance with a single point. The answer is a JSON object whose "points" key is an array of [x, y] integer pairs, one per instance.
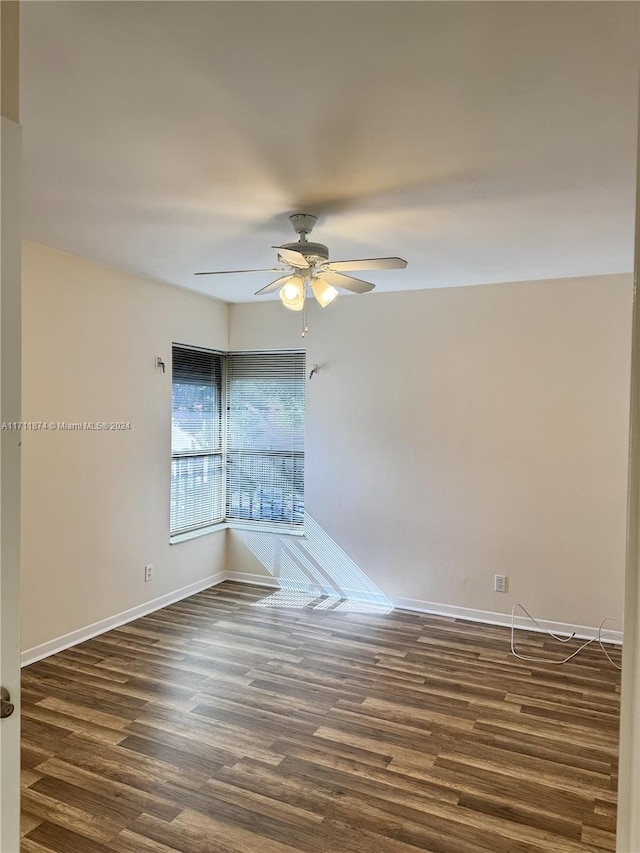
{"points": [[224, 725]]}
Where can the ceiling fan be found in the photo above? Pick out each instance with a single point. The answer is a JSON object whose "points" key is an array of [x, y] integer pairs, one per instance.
{"points": [[311, 270]]}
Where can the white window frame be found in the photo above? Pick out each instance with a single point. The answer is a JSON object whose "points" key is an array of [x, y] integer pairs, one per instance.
{"points": [[275, 526], [211, 453]]}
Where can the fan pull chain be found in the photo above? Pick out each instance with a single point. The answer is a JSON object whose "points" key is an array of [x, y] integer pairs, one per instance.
{"points": [[305, 327]]}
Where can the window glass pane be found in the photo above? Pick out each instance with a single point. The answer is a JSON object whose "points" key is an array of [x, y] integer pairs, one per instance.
{"points": [[264, 487], [197, 482], [265, 437], [196, 491], [265, 400], [196, 411]]}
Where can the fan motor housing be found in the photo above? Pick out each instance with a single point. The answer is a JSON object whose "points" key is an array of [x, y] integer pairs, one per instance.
{"points": [[313, 252]]}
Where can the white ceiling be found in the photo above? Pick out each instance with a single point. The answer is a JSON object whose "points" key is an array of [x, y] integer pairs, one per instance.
{"points": [[483, 142]]}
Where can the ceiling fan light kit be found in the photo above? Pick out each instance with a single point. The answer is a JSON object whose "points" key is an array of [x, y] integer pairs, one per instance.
{"points": [[323, 291], [312, 271], [292, 293]]}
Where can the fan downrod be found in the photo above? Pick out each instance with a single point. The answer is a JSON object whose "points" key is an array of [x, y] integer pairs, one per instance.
{"points": [[303, 223]]}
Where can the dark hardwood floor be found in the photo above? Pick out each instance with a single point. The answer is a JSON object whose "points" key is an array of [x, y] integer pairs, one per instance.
{"points": [[221, 726]]}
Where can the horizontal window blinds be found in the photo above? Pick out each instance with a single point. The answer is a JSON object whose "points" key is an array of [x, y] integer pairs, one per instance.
{"points": [[197, 482], [265, 437]]}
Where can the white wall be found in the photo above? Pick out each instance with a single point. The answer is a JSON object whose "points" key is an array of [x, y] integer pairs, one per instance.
{"points": [[451, 434], [95, 505], [457, 433]]}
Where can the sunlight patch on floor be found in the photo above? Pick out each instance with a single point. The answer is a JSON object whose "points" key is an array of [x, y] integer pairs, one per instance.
{"points": [[285, 599], [314, 568]]}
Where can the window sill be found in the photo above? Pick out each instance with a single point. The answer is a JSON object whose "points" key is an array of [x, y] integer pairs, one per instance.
{"points": [[175, 538], [265, 527], [249, 526]]}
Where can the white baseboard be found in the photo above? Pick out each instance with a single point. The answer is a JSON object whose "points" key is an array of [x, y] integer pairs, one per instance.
{"points": [[488, 617], [72, 639], [256, 580]]}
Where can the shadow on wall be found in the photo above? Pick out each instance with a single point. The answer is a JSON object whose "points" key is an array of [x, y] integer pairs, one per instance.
{"points": [[313, 571]]}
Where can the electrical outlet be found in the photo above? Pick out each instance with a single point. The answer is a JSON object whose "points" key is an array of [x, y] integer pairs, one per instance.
{"points": [[500, 583], [148, 572]]}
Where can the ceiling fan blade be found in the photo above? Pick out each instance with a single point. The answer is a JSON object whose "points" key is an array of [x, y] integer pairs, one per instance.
{"points": [[366, 264], [346, 282], [289, 256], [275, 285], [232, 272]]}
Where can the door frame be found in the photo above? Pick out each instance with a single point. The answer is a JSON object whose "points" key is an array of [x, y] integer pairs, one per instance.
{"points": [[10, 407]]}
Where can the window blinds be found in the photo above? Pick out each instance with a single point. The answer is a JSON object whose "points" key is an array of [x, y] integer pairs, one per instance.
{"points": [[197, 483], [265, 437]]}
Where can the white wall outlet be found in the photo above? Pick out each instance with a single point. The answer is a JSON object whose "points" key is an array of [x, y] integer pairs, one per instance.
{"points": [[500, 583], [148, 572]]}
